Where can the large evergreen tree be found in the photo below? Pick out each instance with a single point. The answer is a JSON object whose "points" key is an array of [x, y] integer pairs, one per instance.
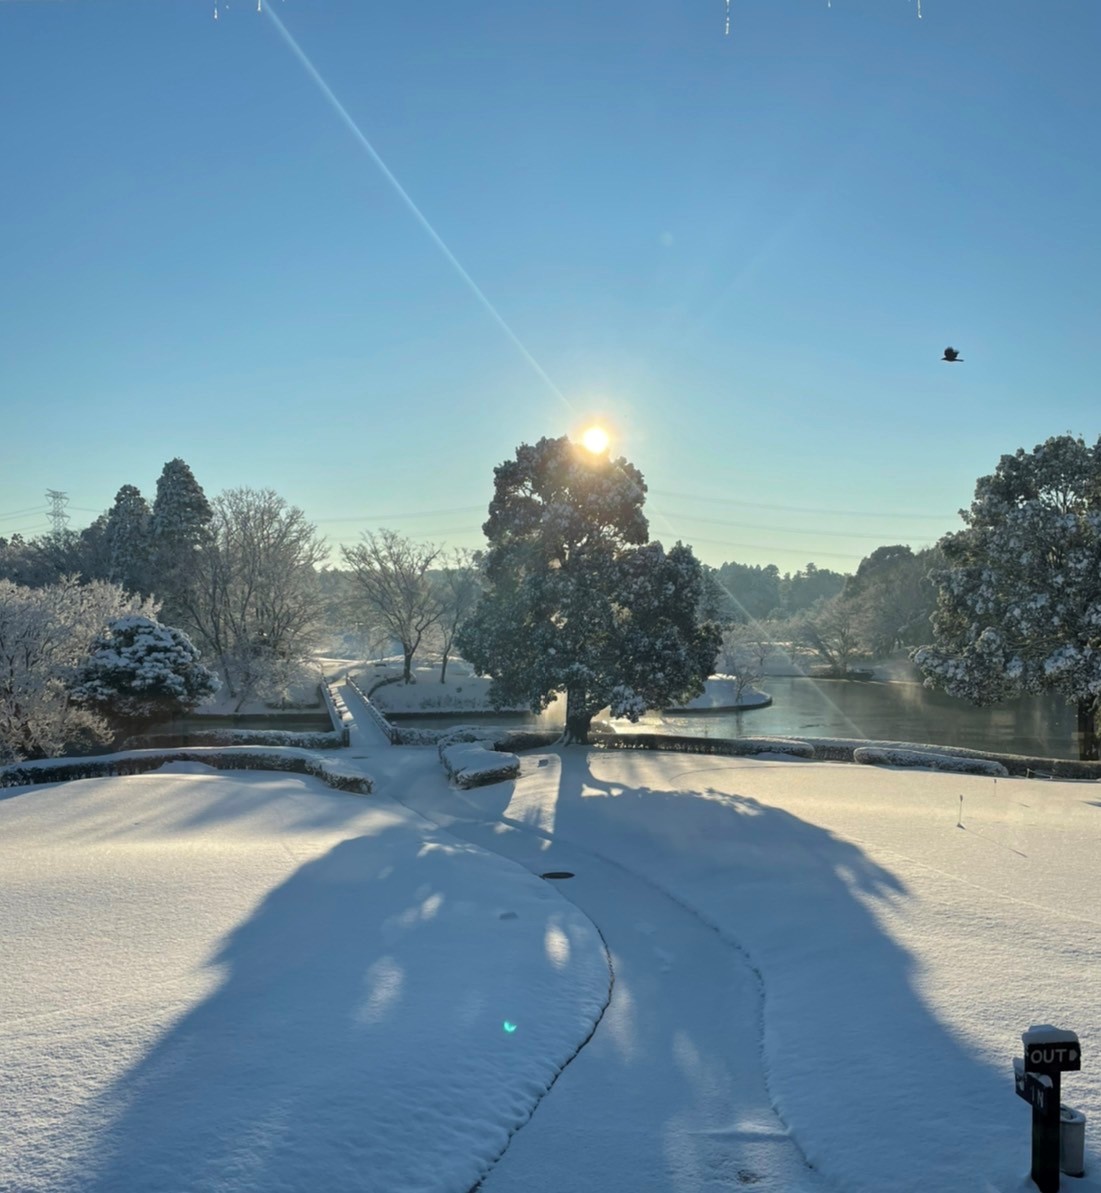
{"points": [[179, 527], [127, 539], [577, 600], [1019, 602]]}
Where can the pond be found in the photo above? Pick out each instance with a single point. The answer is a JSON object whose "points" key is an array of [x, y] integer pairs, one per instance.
{"points": [[909, 712], [807, 707]]}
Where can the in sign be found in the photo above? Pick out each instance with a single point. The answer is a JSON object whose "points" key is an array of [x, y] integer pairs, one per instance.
{"points": [[1035, 1088]]}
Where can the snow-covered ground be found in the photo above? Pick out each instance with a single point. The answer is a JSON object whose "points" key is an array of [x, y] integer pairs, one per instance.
{"points": [[899, 955], [257, 983], [821, 974]]}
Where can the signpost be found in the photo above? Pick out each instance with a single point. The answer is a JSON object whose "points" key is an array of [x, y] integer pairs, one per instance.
{"points": [[1049, 1052]]}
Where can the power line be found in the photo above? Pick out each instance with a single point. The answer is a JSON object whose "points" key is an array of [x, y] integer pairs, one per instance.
{"points": [[850, 555], [813, 531], [380, 518], [37, 528], [800, 509], [31, 509]]}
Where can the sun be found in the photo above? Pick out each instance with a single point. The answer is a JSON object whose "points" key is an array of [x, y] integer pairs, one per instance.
{"points": [[595, 439]]}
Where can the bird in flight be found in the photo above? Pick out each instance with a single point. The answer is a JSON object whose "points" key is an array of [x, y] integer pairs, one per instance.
{"points": [[952, 356]]}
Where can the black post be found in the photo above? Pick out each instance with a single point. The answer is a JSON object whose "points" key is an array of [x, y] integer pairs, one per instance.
{"points": [[1049, 1053], [1045, 1139]]}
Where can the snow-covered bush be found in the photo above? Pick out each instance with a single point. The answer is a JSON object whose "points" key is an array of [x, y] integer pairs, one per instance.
{"points": [[465, 734], [880, 756], [336, 774], [140, 672], [237, 737], [471, 764], [44, 637], [789, 747]]}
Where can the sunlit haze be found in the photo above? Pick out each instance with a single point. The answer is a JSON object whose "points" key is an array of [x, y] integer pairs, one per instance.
{"points": [[595, 439], [357, 253]]}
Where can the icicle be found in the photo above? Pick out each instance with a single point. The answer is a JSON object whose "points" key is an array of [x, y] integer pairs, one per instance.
{"points": [[726, 31], [215, 9], [259, 5], [919, 10]]}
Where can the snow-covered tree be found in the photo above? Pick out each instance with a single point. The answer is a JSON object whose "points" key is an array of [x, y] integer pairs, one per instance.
{"points": [[253, 603], [179, 526], [393, 582], [458, 586], [750, 592], [127, 539], [576, 598], [746, 648], [833, 630], [1019, 600], [45, 634], [894, 595], [139, 672]]}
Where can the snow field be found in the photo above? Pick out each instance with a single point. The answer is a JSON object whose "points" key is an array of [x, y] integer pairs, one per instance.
{"points": [[254, 982], [900, 957]]}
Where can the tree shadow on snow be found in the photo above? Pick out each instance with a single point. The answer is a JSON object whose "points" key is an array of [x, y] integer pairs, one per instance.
{"points": [[857, 1061], [283, 1077]]}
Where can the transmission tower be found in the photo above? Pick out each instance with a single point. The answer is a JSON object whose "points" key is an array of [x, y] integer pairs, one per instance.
{"points": [[59, 519]]}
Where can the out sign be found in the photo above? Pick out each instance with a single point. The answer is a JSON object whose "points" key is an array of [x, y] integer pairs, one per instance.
{"points": [[1052, 1058], [1051, 1050]]}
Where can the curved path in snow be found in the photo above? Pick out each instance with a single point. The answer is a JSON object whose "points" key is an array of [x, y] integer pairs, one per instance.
{"points": [[669, 1094]]}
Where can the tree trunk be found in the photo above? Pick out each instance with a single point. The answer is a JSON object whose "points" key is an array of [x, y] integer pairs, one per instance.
{"points": [[578, 720], [443, 668], [1087, 729], [407, 673]]}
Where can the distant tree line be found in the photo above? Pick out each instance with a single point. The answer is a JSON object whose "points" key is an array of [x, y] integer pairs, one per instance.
{"points": [[239, 581], [570, 596], [884, 607]]}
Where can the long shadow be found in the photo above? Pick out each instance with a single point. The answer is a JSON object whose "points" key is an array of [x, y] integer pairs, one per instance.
{"points": [[857, 1063], [166, 807], [285, 1076]]}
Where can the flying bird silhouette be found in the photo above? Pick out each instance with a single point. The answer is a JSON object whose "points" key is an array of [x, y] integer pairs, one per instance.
{"points": [[952, 356]]}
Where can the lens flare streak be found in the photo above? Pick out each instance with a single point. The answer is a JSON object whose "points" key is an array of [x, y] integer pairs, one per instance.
{"points": [[416, 212]]}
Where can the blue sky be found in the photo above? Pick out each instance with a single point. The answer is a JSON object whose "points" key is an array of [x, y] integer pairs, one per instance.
{"points": [[746, 253]]}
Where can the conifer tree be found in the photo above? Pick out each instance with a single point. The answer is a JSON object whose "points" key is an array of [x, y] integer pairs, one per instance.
{"points": [[179, 528], [127, 540], [140, 672], [577, 600]]}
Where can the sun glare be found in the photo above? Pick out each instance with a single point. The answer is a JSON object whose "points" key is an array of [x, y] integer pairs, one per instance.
{"points": [[595, 439]]}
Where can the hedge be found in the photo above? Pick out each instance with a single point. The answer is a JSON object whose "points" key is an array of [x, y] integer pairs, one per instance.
{"points": [[135, 762]]}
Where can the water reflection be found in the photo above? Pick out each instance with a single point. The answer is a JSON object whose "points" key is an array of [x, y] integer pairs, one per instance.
{"points": [[844, 708], [889, 712]]}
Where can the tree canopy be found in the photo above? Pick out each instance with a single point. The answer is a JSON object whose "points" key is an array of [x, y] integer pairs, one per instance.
{"points": [[139, 672], [1019, 600], [392, 579], [44, 638], [577, 599]]}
